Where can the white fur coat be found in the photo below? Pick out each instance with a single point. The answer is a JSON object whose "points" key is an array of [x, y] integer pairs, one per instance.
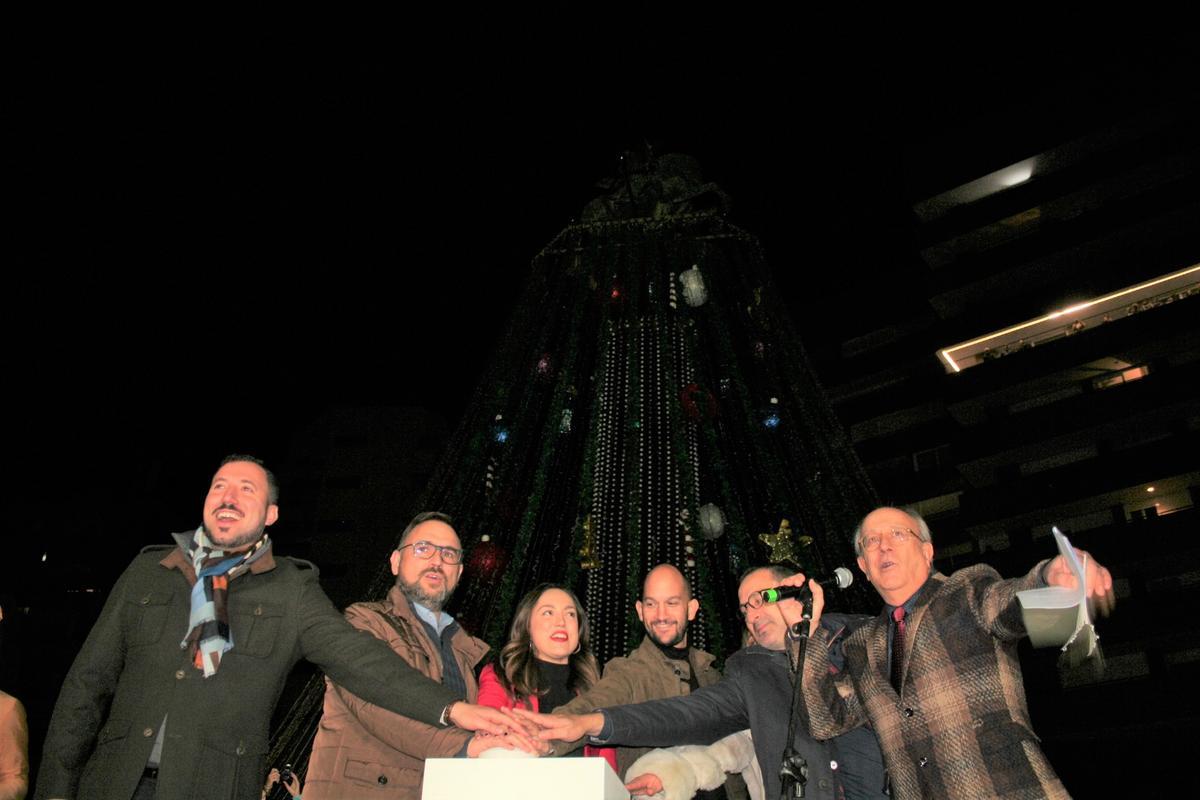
{"points": [[686, 769]]}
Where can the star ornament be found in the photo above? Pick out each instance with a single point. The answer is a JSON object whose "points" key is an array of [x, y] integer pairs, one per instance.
{"points": [[783, 547], [588, 558]]}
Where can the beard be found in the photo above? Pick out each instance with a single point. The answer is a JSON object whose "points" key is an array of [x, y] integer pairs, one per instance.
{"points": [[416, 593], [231, 542], [673, 641]]}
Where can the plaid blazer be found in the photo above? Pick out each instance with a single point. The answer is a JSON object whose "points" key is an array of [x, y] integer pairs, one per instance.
{"points": [[959, 727]]}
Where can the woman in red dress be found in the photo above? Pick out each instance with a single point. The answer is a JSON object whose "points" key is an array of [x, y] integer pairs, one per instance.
{"points": [[547, 660]]}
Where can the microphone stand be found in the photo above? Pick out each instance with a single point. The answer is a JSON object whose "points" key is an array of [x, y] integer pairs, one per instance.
{"points": [[793, 772]]}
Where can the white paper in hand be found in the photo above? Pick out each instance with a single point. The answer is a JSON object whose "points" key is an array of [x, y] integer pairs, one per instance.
{"points": [[1058, 616]]}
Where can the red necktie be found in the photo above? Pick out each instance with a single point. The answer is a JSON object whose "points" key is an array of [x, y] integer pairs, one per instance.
{"points": [[898, 647]]}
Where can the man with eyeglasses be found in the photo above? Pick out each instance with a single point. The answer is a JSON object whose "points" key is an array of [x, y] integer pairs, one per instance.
{"points": [[362, 749], [937, 673]]}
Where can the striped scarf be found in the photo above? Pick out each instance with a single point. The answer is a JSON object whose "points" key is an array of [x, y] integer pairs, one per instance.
{"points": [[208, 637]]}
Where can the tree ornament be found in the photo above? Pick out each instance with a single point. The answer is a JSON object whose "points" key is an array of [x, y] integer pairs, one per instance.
{"points": [[695, 294], [712, 521], [783, 548], [698, 403], [499, 430], [487, 558], [771, 418], [588, 558]]}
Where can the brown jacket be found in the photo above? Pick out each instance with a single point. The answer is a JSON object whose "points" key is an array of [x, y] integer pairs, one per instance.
{"points": [[646, 674], [362, 750], [959, 727]]}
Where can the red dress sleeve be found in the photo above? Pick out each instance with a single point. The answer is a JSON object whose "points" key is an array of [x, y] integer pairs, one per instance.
{"points": [[492, 694]]}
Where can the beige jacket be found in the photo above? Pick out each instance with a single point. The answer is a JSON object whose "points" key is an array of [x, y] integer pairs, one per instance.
{"points": [[646, 674], [362, 750]]}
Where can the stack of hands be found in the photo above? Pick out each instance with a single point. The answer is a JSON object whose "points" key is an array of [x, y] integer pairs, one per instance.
{"points": [[518, 729], [498, 729]]}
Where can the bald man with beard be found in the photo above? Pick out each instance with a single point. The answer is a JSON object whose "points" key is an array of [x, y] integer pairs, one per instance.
{"points": [[663, 665]]}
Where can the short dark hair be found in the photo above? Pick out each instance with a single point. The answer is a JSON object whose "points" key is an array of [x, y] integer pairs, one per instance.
{"points": [[776, 571], [272, 483], [424, 516]]}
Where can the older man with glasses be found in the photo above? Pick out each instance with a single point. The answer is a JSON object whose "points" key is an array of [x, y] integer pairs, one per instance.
{"points": [[937, 674]]}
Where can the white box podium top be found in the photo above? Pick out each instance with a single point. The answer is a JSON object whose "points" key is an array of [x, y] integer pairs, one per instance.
{"points": [[521, 779]]}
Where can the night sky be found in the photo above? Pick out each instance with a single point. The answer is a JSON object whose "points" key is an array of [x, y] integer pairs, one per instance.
{"points": [[213, 248]]}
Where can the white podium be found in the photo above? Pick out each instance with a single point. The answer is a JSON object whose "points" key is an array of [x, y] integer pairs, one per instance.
{"points": [[521, 779]]}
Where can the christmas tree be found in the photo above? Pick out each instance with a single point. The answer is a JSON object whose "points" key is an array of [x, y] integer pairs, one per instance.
{"points": [[648, 403]]}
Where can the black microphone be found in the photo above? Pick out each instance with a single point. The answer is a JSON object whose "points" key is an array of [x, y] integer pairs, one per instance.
{"points": [[840, 579]]}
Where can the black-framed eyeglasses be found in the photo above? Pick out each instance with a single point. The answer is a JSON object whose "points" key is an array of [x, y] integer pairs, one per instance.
{"points": [[755, 600], [425, 550], [871, 541]]}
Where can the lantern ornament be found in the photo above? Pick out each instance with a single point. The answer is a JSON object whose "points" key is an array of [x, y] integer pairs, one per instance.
{"points": [[695, 294], [712, 521]]}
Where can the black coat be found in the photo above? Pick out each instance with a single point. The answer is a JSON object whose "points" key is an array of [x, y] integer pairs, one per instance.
{"points": [[756, 693]]}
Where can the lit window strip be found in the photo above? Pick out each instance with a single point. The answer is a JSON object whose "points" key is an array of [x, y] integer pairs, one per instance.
{"points": [[945, 353]]}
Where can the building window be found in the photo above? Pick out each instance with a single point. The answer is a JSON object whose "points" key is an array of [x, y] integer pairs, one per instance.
{"points": [[931, 460], [1121, 376]]}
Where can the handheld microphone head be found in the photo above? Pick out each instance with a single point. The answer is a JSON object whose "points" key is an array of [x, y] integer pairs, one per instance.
{"points": [[842, 577]]}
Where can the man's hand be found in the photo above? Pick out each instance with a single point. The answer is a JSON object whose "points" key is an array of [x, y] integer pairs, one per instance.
{"points": [[793, 610], [1099, 580], [644, 785], [563, 727], [471, 717]]}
